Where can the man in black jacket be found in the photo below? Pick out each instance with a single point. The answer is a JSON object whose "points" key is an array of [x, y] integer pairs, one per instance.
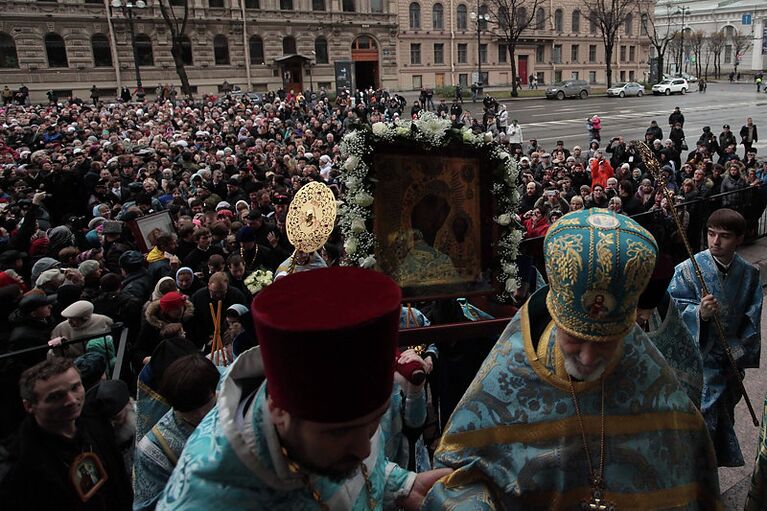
{"points": [[218, 290], [748, 135], [676, 117]]}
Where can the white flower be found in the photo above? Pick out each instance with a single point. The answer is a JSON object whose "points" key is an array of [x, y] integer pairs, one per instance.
{"points": [[504, 219], [358, 225], [487, 137], [363, 199], [403, 131], [468, 136], [350, 245], [511, 285], [503, 155], [367, 262], [432, 126], [380, 129], [352, 182], [351, 162]]}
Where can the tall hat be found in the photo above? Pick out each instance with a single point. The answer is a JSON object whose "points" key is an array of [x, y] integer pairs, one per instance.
{"points": [[328, 339], [598, 264]]}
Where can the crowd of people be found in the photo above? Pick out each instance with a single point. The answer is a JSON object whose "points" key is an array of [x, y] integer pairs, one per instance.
{"points": [[77, 175]]}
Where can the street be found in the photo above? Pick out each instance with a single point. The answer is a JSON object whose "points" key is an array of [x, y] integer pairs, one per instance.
{"points": [[552, 120]]}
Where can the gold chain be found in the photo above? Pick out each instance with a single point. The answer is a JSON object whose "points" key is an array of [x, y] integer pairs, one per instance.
{"points": [[252, 260], [596, 478], [316, 495]]}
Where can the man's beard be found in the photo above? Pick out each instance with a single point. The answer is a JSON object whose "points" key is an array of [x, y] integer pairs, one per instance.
{"points": [[126, 430], [573, 368]]}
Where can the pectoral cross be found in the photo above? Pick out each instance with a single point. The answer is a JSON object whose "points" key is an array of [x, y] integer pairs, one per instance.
{"points": [[596, 502]]}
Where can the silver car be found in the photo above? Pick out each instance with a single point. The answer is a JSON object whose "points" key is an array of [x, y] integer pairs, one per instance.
{"points": [[626, 89]]}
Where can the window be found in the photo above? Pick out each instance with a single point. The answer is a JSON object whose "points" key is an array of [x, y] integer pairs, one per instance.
{"points": [[483, 17], [321, 50], [623, 76], [348, 5], [623, 53], [644, 21], [522, 20], [437, 17], [503, 53], [415, 53], [256, 50], [178, 3], [576, 21], [540, 77], [628, 26], [463, 80], [592, 77], [289, 45], [221, 50], [56, 50], [503, 18], [376, 6], [540, 19], [439, 53], [592, 25], [632, 53], [592, 53], [8, 56], [460, 18], [557, 76], [632, 76], [417, 82], [215, 3], [729, 32], [415, 16], [559, 22], [286, 5], [556, 55], [186, 50], [252, 4], [728, 54], [540, 51], [463, 50], [483, 53], [102, 53], [574, 53]]}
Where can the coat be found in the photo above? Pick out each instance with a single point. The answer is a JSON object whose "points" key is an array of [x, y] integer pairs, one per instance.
{"points": [[203, 322], [601, 171], [151, 325]]}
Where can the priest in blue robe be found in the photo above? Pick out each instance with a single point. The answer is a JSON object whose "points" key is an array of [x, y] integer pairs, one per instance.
{"points": [[296, 423], [736, 296], [575, 408]]}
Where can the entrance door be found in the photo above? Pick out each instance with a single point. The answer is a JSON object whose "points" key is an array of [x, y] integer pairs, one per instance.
{"points": [[365, 58], [522, 68], [292, 77], [439, 80]]}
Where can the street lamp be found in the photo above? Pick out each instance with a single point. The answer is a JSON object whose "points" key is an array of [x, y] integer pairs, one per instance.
{"points": [[683, 11], [478, 17], [127, 7]]}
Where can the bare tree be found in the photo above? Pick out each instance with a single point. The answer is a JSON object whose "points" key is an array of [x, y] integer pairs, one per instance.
{"points": [[695, 43], [741, 44], [659, 32], [177, 27], [511, 18], [609, 16], [714, 46]]}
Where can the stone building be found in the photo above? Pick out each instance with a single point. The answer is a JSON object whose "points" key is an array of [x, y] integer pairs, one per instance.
{"points": [[70, 45], [438, 45]]}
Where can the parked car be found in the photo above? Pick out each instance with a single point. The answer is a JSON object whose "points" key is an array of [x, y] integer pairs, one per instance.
{"points": [[670, 86], [690, 78], [569, 89], [626, 89]]}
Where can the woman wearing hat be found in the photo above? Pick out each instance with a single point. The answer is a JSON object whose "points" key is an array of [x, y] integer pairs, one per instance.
{"points": [[172, 307]]}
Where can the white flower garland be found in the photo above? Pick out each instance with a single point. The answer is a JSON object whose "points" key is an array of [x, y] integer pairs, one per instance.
{"points": [[258, 280], [429, 132]]}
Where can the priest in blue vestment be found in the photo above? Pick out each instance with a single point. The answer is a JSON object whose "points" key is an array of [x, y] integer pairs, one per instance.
{"points": [[736, 296], [575, 408], [296, 423]]}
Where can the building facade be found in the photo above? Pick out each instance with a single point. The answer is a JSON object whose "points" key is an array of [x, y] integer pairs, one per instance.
{"points": [[70, 45], [441, 43], [732, 18]]}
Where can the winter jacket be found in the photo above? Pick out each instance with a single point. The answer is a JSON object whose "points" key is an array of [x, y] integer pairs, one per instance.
{"points": [[151, 325]]}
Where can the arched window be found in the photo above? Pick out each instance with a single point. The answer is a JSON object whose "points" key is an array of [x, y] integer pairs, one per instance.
{"points": [[321, 50], [629, 24], [256, 50], [484, 16], [221, 50], [144, 51], [559, 21], [729, 31], [461, 17], [348, 5], [56, 50], [185, 46], [415, 15], [289, 45], [503, 17], [576, 21], [8, 56], [644, 21], [592, 25], [540, 19], [438, 17], [522, 17], [102, 53]]}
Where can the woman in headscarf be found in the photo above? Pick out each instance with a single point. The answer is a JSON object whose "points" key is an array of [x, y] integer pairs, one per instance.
{"points": [[187, 281]]}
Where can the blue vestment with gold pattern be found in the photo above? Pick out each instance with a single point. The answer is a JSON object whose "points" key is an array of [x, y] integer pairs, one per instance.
{"points": [[515, 443], [233, 460], [739, 294]]}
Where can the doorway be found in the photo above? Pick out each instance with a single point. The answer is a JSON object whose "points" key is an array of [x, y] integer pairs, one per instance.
{"points": [[365, 58], [439, 80], [365, 74], [522, 69], [292, 77]]}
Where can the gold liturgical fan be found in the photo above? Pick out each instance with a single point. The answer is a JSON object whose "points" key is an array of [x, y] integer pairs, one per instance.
{"points": [[311, 218]]}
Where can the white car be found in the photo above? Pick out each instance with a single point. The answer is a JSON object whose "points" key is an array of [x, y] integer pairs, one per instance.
{"points": [[626, 89], [671, 86]]}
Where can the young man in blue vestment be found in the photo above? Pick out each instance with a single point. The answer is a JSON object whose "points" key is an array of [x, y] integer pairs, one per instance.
{"points": [[575, 408], [736, 296], [296, 423]]}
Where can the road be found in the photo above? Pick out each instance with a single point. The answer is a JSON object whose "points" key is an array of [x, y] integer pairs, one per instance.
{"points": [[549, 121]]}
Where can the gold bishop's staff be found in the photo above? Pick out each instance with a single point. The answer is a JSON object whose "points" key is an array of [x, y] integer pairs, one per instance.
{"points": [[652, 164]]}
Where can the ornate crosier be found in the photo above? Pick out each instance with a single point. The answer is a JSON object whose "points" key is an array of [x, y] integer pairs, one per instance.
{"points": [[652, 164]]}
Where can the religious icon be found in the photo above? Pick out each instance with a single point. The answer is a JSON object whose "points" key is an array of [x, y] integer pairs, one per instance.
{"points": [[87, 475], [598, 304]]}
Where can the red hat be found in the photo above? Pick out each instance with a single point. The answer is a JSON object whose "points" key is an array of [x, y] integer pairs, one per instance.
{"points": [[328, 339], [172, 301]]}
